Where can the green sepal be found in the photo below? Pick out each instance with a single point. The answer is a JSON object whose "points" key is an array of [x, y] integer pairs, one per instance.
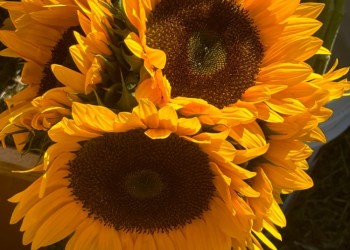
{"points": [[110, 72], [113, 95], [127, 101], [117, 53], [119, 33], [118, 15], [134, 62], [93, 97], [98, 99]]}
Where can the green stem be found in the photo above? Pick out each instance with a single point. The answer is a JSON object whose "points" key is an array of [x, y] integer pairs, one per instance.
{"points": [[333, 25], [331, 18]]}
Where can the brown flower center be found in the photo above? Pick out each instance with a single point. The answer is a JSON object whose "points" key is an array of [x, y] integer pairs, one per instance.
{"points": [[135, 183], [212, 46]]}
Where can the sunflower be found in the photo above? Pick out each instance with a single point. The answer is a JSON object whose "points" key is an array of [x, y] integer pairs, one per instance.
{"points": [[242, 64], [232, 54], [104, 64], [146, 179], [93, 20], [42, 36]]}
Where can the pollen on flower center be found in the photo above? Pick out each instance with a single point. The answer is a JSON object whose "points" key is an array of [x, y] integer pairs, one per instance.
{"points": [[134, 183], [213, 48], [59, 55], [204, 48]]}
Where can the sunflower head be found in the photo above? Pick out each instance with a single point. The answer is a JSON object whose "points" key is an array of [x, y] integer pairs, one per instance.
{"points": [[213, 48], [139, 179], [145, 177], [39, 45]]}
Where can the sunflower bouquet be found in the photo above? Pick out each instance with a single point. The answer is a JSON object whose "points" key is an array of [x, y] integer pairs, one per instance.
{"points": [[164, 124]]}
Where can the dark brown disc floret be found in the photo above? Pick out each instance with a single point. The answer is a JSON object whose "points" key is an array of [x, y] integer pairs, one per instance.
{"points": [[212, 46], [134, 183]]}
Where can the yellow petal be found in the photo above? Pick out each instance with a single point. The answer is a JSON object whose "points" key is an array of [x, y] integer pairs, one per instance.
{"points": [[243, 188], [95, 117], [287, 106], [158, 133], [196, 231], [248, 135], [285, 73], [188, 126], [163, 241], [64, 130], [27, 50], [32, 73], [45, 207], [178, 238], [69, 78], [236, 115], [7, 52], [147, 112], [57, 15], [272, 230], [145, 241], [264, 239], [267, 114], [298, 49], [156, 89], [225, 219], [282, 11], [231, 169], [276, 215], [85, 235], [59, 225], [323, 51], [132, 9], [256, 94], [310, 10], [26, 200], [79, 58], [156, 57], [108, 238], [243, 156], [286, 178], [127, 240], [168, 118], [301, 27], [134, 44], [261, 205], [84, 22]]}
